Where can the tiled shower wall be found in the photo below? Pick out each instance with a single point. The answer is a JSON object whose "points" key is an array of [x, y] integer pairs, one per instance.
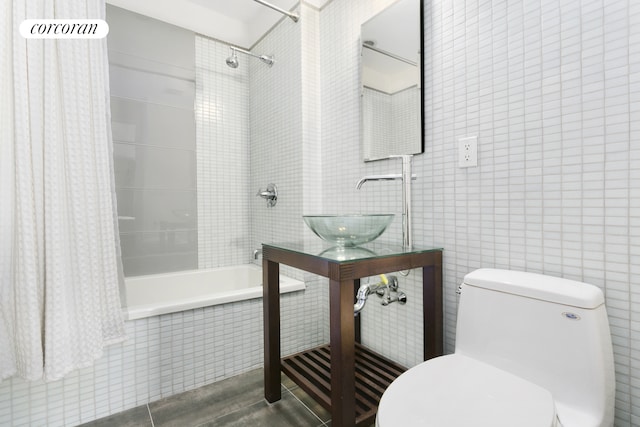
{"points": [[285, 129], [276, 133], [285, 150], [552, 90], [222, 141]]}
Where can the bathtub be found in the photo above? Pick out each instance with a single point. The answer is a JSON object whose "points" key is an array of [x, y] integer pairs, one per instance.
{"points": [[157, 294]]}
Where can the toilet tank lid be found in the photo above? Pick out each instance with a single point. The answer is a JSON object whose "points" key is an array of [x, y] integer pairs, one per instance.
{"points": [[538, 286]]}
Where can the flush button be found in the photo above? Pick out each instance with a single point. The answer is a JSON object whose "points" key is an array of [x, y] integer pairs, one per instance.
{"points": [[571, 316]]}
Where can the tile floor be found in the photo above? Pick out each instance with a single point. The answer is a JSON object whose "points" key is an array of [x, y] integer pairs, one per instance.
{"points": [[237, 401]]}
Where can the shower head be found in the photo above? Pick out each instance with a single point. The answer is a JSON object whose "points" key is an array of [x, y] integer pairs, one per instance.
{"points": [[232, 61]]}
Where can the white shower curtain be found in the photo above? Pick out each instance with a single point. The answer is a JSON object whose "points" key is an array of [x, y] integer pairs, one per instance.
{"points": [[59, 301]]}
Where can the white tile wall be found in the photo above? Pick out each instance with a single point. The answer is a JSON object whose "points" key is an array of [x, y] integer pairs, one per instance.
{"points": [[222, 145], [377, 121], [276, 134], [311, 111], [285, 150], [406, 123], [551, 90]]}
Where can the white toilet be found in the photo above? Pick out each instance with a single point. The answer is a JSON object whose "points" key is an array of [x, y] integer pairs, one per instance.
{"points": [[531, 350]]}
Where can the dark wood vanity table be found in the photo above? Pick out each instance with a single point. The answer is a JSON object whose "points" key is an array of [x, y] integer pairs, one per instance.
{"points": [[344, 377]]}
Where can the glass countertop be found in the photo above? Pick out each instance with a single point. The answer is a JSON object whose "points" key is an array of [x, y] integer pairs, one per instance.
{"points": [[324, 250]]}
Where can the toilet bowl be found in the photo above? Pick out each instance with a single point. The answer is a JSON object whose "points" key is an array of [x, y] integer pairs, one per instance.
{"points": [[461, 393], [531, 350]]}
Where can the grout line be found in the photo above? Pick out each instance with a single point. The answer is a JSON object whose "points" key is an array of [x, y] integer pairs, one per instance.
{"points": [[308, 409], [150, 416], [243, 409]]}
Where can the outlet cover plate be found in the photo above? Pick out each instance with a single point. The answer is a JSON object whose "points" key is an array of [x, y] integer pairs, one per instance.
{"points": [[468, 152]]}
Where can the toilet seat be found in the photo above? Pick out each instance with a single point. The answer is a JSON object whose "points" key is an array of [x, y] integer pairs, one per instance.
{"points": [[457, 391]]}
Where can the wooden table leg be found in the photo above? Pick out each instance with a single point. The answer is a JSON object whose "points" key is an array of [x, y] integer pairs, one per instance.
{"points": [[432, 310], [358, 318], [271, 310], [342, 344]]}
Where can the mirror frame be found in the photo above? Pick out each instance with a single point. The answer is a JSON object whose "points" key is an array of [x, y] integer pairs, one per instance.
{"points": [[421, 113]]}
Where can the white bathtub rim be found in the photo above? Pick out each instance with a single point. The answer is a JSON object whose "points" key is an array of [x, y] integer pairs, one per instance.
{"points": [[287, 284], [192, 272]]}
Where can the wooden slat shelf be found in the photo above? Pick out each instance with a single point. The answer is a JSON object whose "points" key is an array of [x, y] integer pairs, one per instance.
{"points": [[311, 370]]}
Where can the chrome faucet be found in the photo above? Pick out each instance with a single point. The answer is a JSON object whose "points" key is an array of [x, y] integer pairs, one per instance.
{"points": [[387, 177], [387, 289], [406, 177], [270, 195], [380, 288], [257, 253]]}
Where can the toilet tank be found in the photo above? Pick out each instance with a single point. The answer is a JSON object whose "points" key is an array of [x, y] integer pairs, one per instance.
{"points": [[551, 331]]}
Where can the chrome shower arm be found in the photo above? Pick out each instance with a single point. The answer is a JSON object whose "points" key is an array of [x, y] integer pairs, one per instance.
{"points": [[264, 58], [389, 54]]}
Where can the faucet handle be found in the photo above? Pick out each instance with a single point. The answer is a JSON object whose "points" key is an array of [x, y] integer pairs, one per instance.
{"points": [[393, 283], [270, 194]]}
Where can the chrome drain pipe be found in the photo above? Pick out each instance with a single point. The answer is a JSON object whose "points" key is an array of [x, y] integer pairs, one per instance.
{"points": [[364, 291], [385, 289]]}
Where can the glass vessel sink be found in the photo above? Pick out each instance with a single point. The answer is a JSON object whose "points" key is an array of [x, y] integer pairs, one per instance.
{"points": [[348, 230]]}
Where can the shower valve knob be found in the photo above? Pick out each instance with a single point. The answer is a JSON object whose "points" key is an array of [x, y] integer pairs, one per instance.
{"points": [[270, 195]]}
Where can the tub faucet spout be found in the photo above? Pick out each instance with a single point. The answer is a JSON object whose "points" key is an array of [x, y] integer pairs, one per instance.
{"points": [[257, 253]]}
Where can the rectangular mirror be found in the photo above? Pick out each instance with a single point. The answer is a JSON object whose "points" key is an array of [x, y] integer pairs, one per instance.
{"points": [[391, 76]]}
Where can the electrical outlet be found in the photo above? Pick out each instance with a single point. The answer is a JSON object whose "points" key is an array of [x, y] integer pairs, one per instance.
{"points": [[468, 152]]}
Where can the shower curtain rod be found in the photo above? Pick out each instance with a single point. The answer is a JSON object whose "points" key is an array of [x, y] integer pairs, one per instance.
{"points": [[293, 16], [389, 54]]}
